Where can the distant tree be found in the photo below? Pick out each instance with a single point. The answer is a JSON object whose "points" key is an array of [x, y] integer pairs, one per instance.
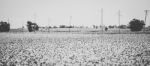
{"points": [[55, 27], [62, 26], [106, 28], [29, 23], [69, 26], [4, 26], [81, 26], [110, 26], [32, 26], [35, 26], [49, 27], [94, 26], [122, 26], [136, 25]]}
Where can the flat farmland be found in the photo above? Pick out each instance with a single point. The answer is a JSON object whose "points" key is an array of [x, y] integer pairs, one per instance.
{"points": [[82, 31], [68, 49]]}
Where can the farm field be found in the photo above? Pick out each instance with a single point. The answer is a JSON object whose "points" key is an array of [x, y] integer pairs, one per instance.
{"points": [[71, 49], [83, 31]]}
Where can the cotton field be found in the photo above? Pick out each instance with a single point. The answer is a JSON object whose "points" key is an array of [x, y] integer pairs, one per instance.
{"points": [[56, 49]]}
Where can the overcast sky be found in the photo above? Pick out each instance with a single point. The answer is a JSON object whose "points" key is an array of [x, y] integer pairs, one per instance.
{"points": [[83, 12]]}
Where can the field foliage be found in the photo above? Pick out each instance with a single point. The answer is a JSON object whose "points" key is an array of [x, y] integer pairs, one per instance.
{"points": [[67, 49]]}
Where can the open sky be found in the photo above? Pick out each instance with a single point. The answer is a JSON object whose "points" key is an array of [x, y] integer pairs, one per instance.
{"points": [[83, 12]]}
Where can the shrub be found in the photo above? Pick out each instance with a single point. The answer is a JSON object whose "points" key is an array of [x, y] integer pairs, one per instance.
{"points": [[49, 27], [55, 27], [122, 26], [4, 26], [62, 26], [111, 26], [32, 26], [136, 25], [69, 26], [94, 26]]}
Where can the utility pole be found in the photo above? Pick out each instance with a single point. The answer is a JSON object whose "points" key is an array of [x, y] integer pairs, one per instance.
{"points": [[119, 20], [8, 19], [146, 12], [48, 21], [8, 22], [35, 17], [70, 23], [48, 24], [22, 26], [102, 19]]}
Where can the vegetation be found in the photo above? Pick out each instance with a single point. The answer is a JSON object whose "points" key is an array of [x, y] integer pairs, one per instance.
{"points": [[55, 27], [64, 26], [4, 26], [74, 50], [122, 26], [32, 26], [94, 26], [112, 26], [136, 25]]}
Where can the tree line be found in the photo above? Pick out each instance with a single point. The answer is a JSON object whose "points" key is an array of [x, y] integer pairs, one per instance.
{"points": [[4, 26], [134, 25]]}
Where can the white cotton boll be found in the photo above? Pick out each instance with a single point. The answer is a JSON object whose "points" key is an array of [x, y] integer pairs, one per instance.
{"points": [[75, 50]]}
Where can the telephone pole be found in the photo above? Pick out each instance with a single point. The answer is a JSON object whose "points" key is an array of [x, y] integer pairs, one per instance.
{"points": [[102, 19], [22, 26], [119, 20], [35, 17], [146, 12], [48, 24], [8, 19], [48, 21], [70, 23]]}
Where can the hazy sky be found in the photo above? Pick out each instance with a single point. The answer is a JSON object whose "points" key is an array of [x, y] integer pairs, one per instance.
{"points": [[83, 12]]}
